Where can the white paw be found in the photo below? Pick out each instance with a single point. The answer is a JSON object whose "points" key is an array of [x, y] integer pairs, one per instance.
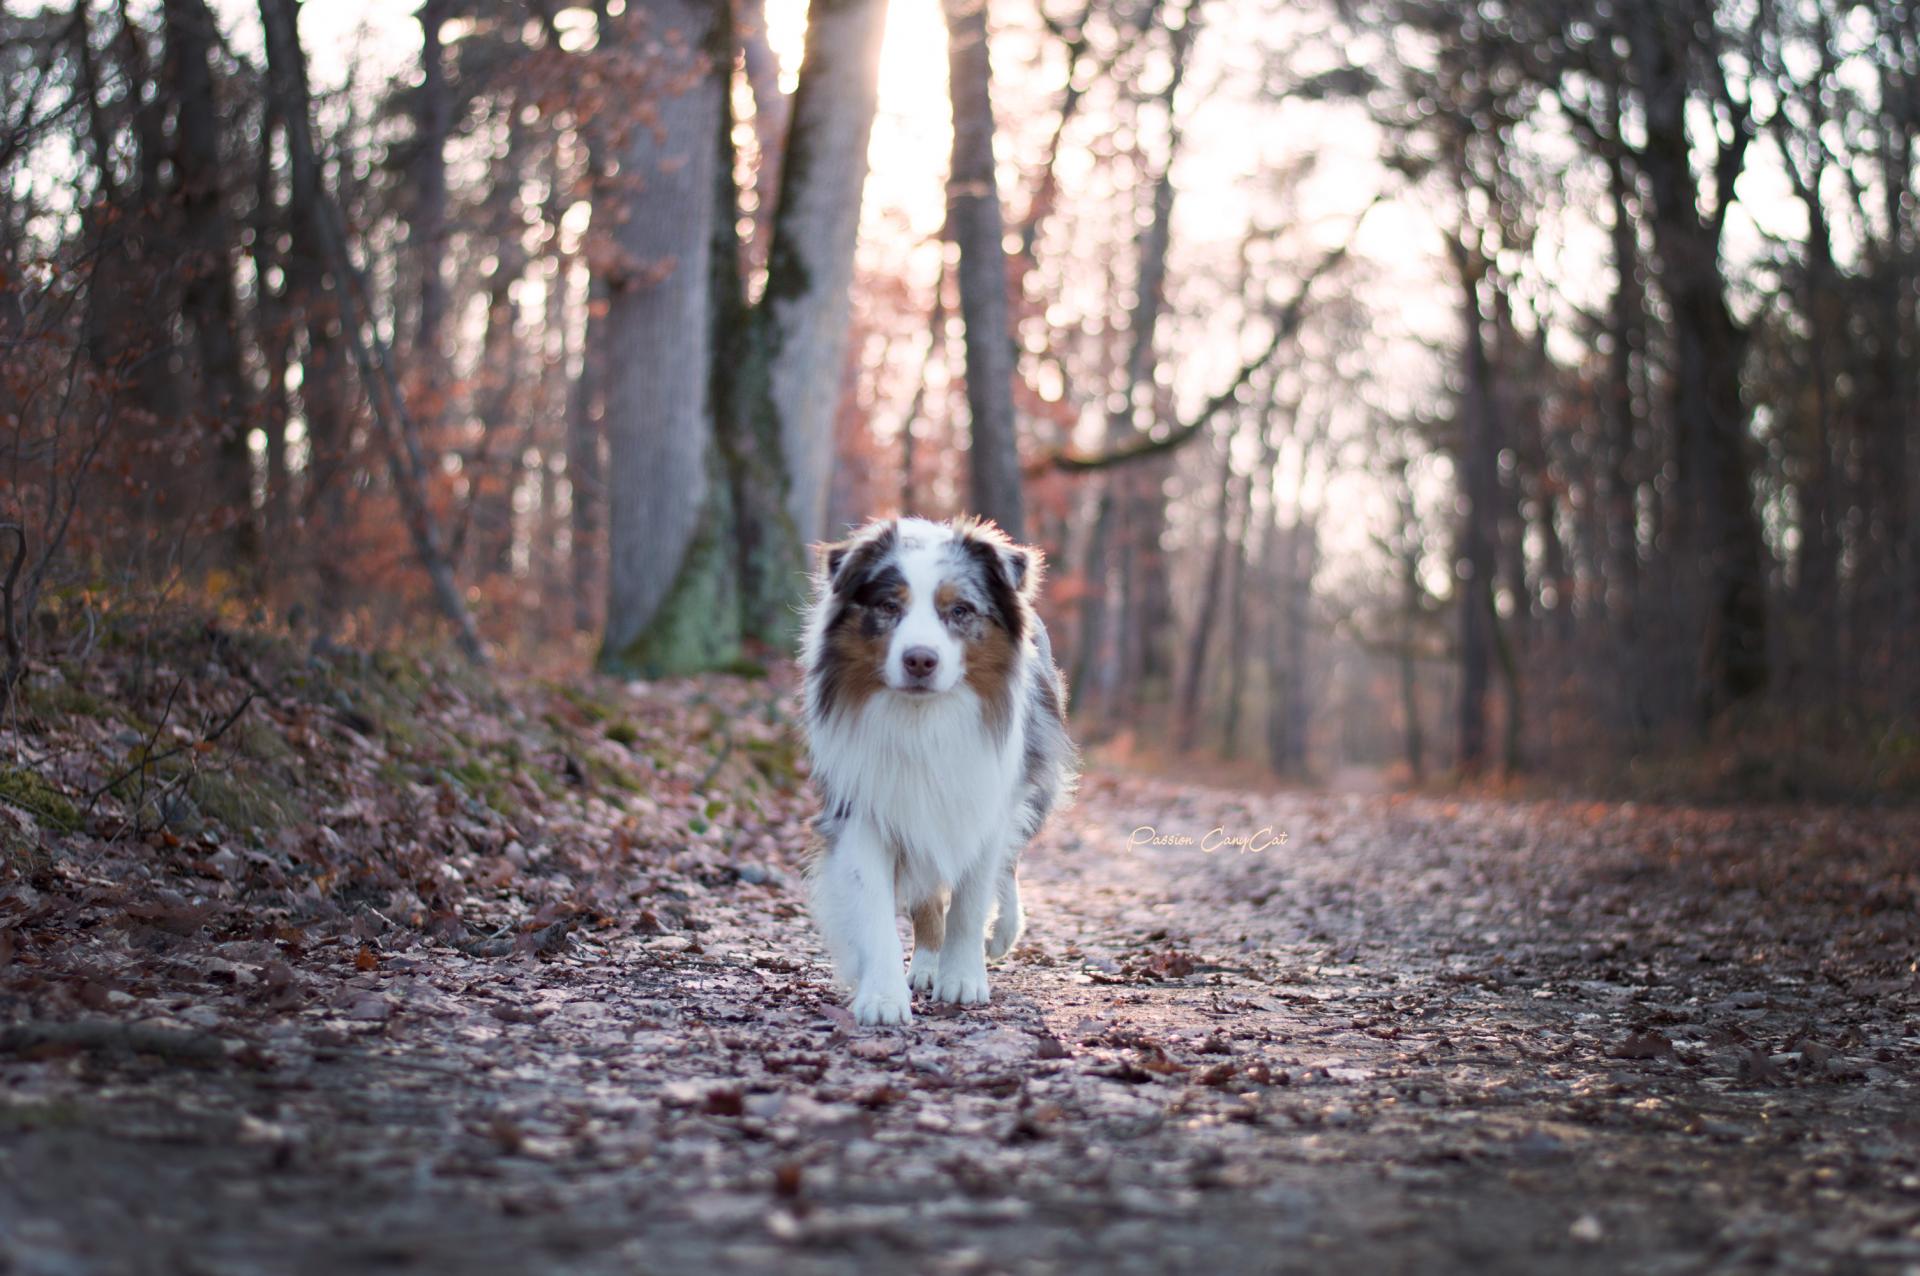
{"points": [[882, 1006], [966, 987], [923, 968]]}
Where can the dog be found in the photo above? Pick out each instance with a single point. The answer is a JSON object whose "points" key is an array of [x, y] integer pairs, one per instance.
{"points": [[936, 723]]}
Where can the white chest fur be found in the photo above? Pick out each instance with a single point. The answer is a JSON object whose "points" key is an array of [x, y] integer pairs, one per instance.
{"points": [[931, 777]]}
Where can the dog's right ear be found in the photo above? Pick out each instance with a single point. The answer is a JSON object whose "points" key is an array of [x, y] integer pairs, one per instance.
{"points": [[832, 558], [844, 563]]}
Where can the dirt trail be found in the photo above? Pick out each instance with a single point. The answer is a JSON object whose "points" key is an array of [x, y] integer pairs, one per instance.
{"points": [[1414, 1036]]}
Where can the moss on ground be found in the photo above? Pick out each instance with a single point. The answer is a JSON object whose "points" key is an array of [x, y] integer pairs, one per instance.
{"points": [[34, 794], [244, 803]]}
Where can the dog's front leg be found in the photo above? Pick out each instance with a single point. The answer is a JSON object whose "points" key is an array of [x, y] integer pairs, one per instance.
{"points": [[929, 930], [963, 953], [853, 904]]}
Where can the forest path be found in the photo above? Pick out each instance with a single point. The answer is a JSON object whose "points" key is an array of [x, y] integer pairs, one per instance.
{"points": [[1416, 1036]]}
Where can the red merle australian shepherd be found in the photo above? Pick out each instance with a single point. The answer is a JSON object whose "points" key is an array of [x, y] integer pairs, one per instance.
{"points": [[935, 718]]}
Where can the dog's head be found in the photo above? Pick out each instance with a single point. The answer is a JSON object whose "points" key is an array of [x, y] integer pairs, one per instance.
{"points": [[913, 608]]}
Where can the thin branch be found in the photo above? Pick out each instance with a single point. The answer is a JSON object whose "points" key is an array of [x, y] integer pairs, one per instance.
{"points": [[1286, 323], [149, 758]]}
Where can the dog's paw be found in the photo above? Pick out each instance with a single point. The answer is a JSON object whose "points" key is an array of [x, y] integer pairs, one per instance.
{"points": [[1005, 932], [966, 988], [882, 1006], [923, 969]]}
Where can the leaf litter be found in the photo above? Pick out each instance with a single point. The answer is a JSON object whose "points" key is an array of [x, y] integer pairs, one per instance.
{"points": [[517, 976]]}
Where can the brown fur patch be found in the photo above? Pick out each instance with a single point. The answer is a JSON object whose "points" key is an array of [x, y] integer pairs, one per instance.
{"points": [[854, 662], [853, 657], [929, 923], [991, 658]]}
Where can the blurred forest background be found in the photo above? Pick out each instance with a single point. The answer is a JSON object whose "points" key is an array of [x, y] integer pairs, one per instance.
{"points": [[1426, 388]]}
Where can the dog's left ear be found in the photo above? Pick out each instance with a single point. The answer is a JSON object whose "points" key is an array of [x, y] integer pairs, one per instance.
{"points": [[1024, 565], [1020, 566]]}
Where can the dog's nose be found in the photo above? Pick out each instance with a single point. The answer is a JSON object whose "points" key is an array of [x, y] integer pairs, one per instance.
{"points": [[919, 662]]}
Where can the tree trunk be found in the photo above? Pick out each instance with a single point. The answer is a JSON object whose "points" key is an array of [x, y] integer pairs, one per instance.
{"points": [[823, 173], [1476, 556], [209, 301], [586, 481], [1719, 532], [323, 392], [1412, 600], [975, 223], [1237, 620], [1623, 407], [672, 603], [1294, 550], [586, 409], [772, 109], [495, 466], [427, 230], [1149, 297], [777, 406], [1891, 572], [287, 72], [1212, 598], [273, 337], [1824, 307]]}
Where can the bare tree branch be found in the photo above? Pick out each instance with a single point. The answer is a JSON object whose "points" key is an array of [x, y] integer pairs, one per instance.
{"points": [[1286, 324]]}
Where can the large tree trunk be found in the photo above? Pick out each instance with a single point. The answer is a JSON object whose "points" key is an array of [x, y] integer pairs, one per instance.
{"points": [[823, 172], [209, 301], [1719, 530], [672, 602], [323, 389], [778, 403], [976, 225]]}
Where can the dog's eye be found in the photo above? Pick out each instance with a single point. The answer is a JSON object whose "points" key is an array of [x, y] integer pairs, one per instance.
{"points": [[887, 607], [960, 613]]}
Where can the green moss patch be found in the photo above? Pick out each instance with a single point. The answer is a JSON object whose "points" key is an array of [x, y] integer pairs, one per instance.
{"points": [[33, 794]]}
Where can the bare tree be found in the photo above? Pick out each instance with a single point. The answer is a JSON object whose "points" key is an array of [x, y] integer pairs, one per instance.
{"points": [[975, 223], [672, 600], [405, 462], [823, 171], [208, 298]]}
